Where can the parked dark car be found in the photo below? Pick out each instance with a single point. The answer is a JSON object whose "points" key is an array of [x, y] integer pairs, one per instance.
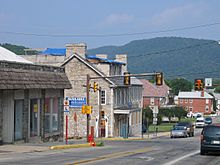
{"points": [[189, 127], [210, 139], [208, 120]]}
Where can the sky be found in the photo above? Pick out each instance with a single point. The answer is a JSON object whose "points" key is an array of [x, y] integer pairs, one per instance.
{"points": [[55, 23]]}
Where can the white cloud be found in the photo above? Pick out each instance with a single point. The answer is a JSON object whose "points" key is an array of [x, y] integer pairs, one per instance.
{"points": [[114, 19], [181, 13]]}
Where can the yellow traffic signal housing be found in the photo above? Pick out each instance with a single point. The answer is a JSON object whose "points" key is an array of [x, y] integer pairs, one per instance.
{"points": [[127, 79], [199, 84], [95, 86], [83, 109], [86, 109], [159, 78]]}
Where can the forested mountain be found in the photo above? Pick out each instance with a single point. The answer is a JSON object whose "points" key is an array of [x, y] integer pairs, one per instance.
{"points": [[176, 57], [19, 50]]}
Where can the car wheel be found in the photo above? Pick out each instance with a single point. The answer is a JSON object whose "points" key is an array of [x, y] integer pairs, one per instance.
{"points": [[171, 137]]}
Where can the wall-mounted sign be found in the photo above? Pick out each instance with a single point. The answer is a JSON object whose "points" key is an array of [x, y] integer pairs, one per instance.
{"points": [[77, 102]]}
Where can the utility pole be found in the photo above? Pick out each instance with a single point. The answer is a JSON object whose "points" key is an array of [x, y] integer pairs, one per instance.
{"points": [[100, 109], [87, 101]]}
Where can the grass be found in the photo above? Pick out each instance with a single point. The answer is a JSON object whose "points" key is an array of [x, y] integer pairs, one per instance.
{"points": [[165, 127], [188, 120]]}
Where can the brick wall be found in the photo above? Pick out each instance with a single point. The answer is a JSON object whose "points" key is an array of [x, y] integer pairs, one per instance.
{"points": [[198, 105]]}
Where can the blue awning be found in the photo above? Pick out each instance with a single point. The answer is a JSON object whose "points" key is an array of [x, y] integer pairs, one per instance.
{"points": [[104, 60], [54, 51]]}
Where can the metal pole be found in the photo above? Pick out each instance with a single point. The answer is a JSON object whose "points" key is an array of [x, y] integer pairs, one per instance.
{"points": [[87, 100], [66, 129], [100, 108]]}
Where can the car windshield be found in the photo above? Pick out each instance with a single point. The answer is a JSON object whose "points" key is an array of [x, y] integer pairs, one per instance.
{"points": [[199, 120], [183, 124], [179, 128], [212, 131], [208, 119]]}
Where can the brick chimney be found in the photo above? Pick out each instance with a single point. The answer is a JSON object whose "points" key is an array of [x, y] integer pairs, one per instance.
{"points": [[202, 93], [122, 58], [79, 49]]}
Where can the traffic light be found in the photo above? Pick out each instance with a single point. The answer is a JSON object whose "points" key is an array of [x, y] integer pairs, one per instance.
{"points": [[102, 114], [159, 78], [83, 109], [127, 79], [199, 84], [95, 86]]}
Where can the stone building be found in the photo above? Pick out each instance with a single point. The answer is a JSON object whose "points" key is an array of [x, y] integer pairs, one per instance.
{"points": [[116, 108], [31, 100]]}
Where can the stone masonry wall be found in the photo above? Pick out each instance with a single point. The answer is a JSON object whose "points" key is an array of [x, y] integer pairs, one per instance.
{"points": [[77, 71], [45, 59]]}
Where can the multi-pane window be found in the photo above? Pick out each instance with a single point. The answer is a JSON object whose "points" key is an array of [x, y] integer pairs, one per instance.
{"points": [[103, 97]]}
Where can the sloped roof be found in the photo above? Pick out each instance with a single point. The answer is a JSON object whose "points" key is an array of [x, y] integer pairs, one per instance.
{"points": [[28, 76], [194, 94], [152, 90], [6, 55], [217, 95]]}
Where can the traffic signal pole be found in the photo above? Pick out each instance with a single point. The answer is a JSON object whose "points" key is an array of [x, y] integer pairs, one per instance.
{"points": [[87, 101]]}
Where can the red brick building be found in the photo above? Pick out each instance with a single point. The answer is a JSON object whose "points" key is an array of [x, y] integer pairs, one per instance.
{"points": [[154, 95], [196, 101]]}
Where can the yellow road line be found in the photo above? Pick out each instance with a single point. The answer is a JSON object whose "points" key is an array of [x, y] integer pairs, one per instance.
{"points": [[113, 155]]}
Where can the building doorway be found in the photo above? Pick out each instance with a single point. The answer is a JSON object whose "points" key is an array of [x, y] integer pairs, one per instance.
{"points": [[34, 118], [18, 118]]}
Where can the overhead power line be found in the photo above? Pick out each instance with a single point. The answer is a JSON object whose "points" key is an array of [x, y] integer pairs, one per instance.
{"points": [[110, 35]]}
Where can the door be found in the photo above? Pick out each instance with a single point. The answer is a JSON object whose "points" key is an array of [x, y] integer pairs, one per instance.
{"points": [[18, 111], [34, 118]]}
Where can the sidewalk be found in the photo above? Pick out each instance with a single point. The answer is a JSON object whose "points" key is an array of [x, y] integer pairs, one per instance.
{"points": [[73, 143]]}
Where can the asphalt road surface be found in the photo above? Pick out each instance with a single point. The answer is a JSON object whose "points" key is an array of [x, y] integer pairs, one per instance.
{"points": [[160, 151]]}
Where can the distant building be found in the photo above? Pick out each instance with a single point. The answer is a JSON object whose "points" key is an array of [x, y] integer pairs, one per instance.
{"points": [[196, 101], [154, 95]]}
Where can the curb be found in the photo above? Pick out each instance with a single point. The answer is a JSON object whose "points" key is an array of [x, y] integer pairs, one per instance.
{"points": [[69, 146]]}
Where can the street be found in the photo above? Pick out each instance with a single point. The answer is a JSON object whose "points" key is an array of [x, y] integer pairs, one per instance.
{"points": [[161, 150]]}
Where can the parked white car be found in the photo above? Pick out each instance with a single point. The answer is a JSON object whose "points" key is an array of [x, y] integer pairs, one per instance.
{"points": [[196, 115], [200, 122]]}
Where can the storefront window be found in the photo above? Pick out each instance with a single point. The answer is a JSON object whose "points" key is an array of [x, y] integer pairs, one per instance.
{"points": [[51, 115]]}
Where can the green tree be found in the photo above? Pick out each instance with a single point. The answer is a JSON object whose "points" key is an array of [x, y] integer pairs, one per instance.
{"points": [[167, 112], [180, 84], [147, 116], [217, 89], [179, 112]]}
